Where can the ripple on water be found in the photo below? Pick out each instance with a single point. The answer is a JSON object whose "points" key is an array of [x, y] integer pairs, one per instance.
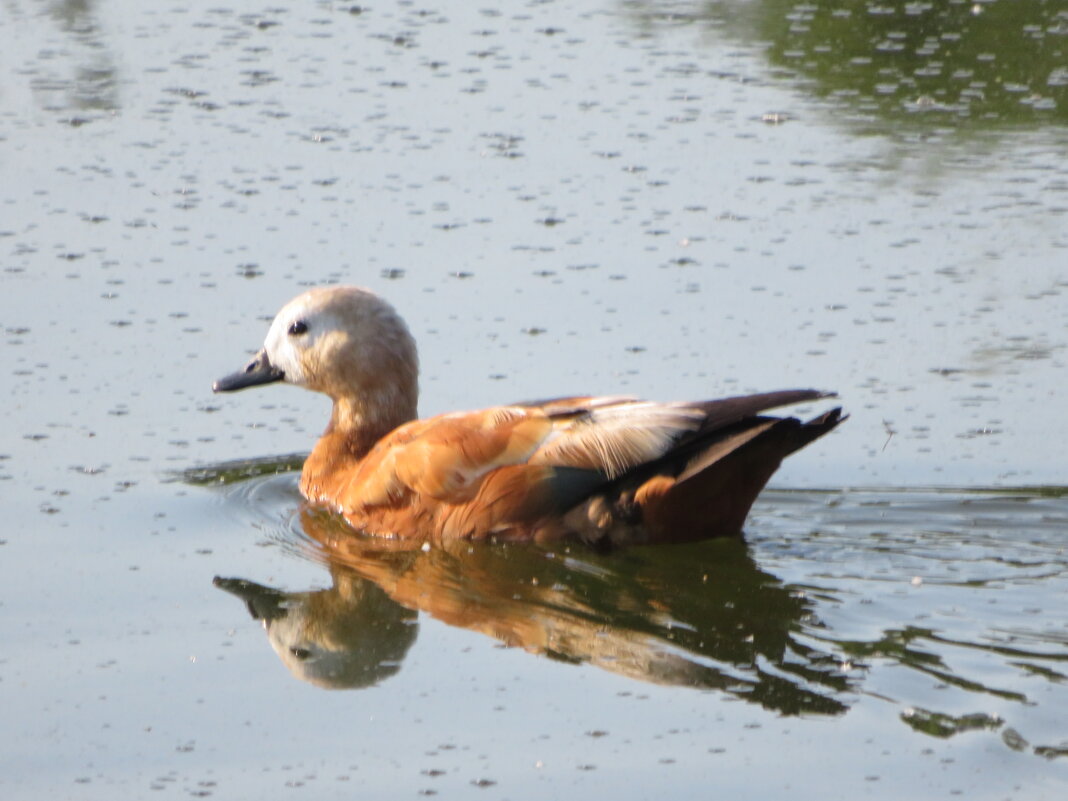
{"points": [[954, 586], [261, 494]]}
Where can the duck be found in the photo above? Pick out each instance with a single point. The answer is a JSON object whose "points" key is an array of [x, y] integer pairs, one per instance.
{"points": [[605, 470]]}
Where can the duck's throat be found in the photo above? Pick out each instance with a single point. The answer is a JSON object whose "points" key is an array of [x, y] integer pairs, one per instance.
{"points": [[355, 427]]}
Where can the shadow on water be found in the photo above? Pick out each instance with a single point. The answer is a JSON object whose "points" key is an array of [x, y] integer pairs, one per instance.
{"points": [[952, 64]]}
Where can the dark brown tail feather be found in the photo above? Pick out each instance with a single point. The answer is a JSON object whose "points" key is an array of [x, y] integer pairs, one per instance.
{"points": [[725, 411], [712, 494]]}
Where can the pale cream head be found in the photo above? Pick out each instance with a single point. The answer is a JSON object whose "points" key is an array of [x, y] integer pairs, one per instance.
{"points": [[348, 343]]}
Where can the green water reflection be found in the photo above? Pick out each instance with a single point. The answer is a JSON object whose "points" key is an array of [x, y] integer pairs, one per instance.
{"points": [[953, 63]]}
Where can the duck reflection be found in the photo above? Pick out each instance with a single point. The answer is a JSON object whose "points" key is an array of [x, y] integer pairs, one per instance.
{"points": [[349, 636], [701, 615]]}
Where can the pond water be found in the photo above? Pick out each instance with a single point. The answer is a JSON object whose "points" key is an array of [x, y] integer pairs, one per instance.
{"points": [[672, 200]]}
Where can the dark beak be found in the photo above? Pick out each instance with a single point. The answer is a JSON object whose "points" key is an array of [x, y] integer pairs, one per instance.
{"points": [[258, 371], [264, 603]]}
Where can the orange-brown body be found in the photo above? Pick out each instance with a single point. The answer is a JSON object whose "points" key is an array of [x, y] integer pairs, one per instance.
{"points": [[603, 469]]}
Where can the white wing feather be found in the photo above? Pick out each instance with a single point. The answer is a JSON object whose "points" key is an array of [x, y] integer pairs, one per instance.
{"points": [[615, 438]]}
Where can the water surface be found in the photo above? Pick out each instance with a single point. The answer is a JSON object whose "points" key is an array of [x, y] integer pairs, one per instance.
{"points": [[674, 200]]}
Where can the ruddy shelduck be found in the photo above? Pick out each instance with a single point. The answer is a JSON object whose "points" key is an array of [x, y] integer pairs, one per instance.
{"points": [[606, 470]]}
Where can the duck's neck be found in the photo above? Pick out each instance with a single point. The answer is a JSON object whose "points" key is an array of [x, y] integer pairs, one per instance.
{"points": [[356, 424], [361, 422]]}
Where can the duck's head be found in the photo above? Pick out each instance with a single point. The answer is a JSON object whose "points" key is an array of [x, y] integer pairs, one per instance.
{"points": [[343, 341]]}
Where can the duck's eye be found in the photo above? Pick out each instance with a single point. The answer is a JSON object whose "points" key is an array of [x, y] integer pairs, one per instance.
{"points": [[298, 328]]}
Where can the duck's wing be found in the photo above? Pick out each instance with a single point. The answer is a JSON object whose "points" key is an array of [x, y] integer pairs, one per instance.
{"points": [[566, 447], [615, 435], [573, 443]]}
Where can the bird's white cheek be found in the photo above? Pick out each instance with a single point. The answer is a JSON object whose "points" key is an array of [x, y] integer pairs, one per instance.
{"points": [[286, 357], [291, 364]]}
